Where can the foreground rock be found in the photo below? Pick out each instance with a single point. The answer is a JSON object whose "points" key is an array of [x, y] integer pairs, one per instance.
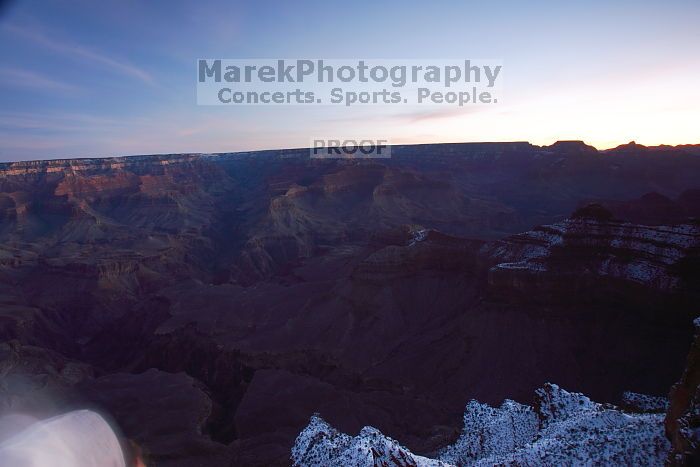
{"points": [[683, 417], [321, 445], [562, 428]]}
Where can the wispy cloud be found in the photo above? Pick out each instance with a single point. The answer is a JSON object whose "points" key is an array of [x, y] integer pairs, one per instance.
{"points": [[414, 115], [65, 122], [437, 114], [79, 52], [29, 79]]}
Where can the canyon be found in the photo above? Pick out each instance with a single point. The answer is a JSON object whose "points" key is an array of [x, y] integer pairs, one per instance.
{"points": [[211, 304]]}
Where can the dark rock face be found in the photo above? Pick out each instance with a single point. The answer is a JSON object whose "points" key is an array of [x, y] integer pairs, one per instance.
{"points": [[653, 209], [683, 417], [165, 412], [211, 304], [572, 147]]}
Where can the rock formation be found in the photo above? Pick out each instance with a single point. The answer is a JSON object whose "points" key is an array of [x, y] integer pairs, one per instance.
{"points": [[562, 428]]}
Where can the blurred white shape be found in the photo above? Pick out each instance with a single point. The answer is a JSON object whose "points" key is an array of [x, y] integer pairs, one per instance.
{"points": [[12, 424], [76, 439]]}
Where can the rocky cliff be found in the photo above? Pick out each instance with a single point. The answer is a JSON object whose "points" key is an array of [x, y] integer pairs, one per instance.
{"points": [[592, 246]]}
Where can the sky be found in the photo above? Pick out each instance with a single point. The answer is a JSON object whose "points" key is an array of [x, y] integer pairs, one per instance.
{"points": [[89, 78]]}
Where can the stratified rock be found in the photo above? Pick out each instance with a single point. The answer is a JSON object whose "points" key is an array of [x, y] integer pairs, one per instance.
{"points": [[591, 246]]}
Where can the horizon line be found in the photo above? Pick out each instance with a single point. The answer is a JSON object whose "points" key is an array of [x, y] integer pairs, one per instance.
{"points": [[302, 148]]}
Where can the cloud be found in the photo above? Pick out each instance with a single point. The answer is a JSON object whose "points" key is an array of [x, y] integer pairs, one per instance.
{"points": [[30, 79], [448, 112], [413, 115], [66, 122], [79, 52]]}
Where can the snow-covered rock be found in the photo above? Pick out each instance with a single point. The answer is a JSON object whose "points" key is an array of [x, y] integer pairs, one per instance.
{"points": [[557, 405], [577, 431], [640, 254], [320, 445], [563, 428], [642, 403], [490, 431]]}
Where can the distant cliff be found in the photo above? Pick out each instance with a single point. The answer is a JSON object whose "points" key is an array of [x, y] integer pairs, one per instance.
{"points": [[591, 246]]}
